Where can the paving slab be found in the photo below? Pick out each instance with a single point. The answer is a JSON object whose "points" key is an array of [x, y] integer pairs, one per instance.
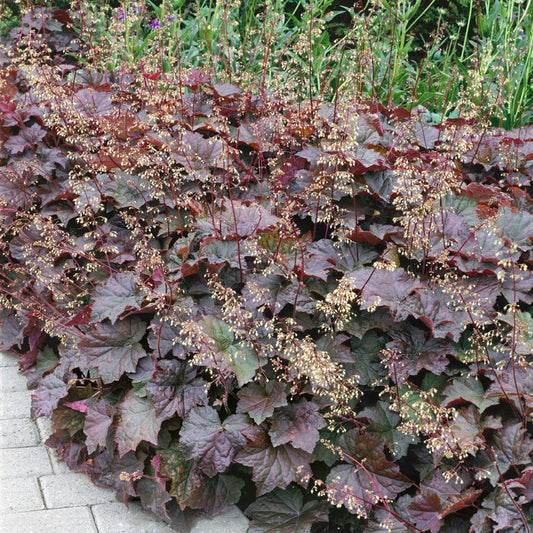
{"points": [[20, 494], [18, 432], [11, 380], [8, 359], [68, 520], [73, 489], [231, 521], [24, 462], [117, 518], [15, 404]]}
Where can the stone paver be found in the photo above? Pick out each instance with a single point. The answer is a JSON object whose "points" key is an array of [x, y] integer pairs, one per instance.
{"points": [[20, 494], [24, 462], [72, 489], [68, 520], [39, 494], [117, 518], [231, 521], [14, 404], [18, 432], [11, 380], [7, 360]]}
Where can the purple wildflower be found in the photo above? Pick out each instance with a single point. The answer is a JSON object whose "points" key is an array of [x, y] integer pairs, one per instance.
{"points": [[170, 18], [120, 14], [154, 24]]}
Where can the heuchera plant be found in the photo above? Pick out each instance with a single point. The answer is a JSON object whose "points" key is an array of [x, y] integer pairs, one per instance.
{"points": [[322, 313]]}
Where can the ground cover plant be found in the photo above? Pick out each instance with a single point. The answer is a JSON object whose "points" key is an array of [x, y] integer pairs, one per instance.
{"points": [[320, 311]]}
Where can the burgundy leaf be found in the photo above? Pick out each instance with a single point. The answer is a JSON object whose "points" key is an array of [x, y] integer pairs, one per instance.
{"points": [[112, 299], [213, 444], [114, 349], [259, 402], [297, 424], [176, 389], [137, 422], [97, 423], [272, 467]]}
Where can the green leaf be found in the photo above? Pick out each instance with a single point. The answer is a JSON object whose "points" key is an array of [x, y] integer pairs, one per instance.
{"points": [[244, 362], [468, 389], [284, 511], [220, 332], [182, 472], [366, 361], [383, 424]]}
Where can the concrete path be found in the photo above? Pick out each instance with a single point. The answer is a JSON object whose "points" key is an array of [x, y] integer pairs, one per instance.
{"points": [[39, 494]]}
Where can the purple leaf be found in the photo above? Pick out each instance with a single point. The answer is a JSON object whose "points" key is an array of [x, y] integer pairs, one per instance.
{"points": [[259, 402], [272, 467], [517, 228], [437, 499], [114, 349], [176, 389], [214, 495], [11, 327], [164, 338], [418, 352], [297, 424], [112, 299], [368, 478], [385, 288], [51, 389], [97, 423], [137, 422], [93, 103], [512, 447], [468, 389], [284, 511], [213, 444]]}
